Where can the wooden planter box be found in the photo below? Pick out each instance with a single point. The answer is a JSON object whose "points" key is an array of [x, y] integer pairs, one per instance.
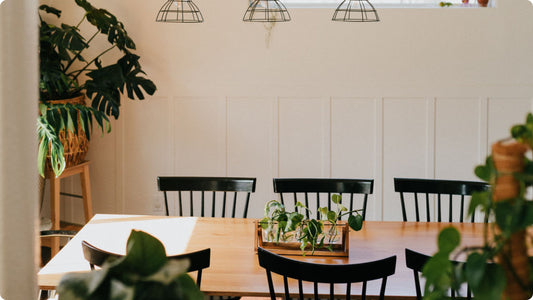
{"points": [[339, 247]]}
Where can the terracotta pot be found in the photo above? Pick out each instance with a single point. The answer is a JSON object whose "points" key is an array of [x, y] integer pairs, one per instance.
{"points": [[75, 147], [509, 158]]}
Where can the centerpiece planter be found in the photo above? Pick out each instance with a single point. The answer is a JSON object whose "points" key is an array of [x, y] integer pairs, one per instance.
{"points": [[335, 240], [291, 233]]}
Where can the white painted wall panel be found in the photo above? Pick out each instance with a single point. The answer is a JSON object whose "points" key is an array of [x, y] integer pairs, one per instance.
{"points": [[460, 143], [355, 150], [252, 146], [459, 130], [407, 147], [504, 113], [146, 157], [200, 136], [304, 138]]}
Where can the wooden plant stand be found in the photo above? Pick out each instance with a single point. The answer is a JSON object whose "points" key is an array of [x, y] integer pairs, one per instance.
{"points": [[55, 193]]}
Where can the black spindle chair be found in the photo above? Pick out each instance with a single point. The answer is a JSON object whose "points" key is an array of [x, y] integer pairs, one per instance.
{"points": [[331, 274], [438, 187], [240, 187], [198, 260], [316, 186], [416, 261]]}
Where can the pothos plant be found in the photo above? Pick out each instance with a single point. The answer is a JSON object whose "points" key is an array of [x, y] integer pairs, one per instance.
{"points": [[143, 273], [66, 71], [281, 225], [500, 266]]}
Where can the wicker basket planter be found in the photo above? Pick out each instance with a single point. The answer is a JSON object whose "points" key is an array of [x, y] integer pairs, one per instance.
{"points": [[75, 146]]}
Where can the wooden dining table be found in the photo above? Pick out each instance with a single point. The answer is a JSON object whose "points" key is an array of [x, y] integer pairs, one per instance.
{"points": [[234, 269]]}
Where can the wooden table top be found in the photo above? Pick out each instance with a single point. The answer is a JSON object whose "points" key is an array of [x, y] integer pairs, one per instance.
{"points": [[234, 269]]}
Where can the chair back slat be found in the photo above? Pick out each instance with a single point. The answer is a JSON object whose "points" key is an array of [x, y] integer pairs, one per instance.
{"points": [[313, 190], [198, 260], [241, 187], [416, 261], [324, 273], [455, 190]]}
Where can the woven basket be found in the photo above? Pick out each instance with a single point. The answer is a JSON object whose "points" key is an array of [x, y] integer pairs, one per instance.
{"points": [[509, 158], [75, 147]]}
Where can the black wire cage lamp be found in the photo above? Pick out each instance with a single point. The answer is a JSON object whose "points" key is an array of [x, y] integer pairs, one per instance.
{"points": [[266, 11], [179, 11], [355, 11]]}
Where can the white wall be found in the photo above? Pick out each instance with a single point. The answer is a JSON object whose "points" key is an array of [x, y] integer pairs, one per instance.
{"points": [[422, 93]]}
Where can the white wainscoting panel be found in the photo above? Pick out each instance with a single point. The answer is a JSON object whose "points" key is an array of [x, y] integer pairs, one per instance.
{"points": [[200, 136], [304, 129], [355, 150], [268, 137], [460, 145], [504, 113], [407, 147], [460, 137], [147, 130], [252, 146]]}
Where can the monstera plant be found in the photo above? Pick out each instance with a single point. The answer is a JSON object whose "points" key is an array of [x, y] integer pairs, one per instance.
{"points": [[68, 72]]}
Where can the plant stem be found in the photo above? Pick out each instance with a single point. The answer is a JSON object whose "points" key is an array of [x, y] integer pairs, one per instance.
{"points": [[88, 64], [79, 53]]}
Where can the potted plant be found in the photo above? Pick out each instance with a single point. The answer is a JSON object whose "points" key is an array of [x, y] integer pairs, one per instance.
{"points": [[500, 268], [143, 273], [67, 73], [281, 226]]}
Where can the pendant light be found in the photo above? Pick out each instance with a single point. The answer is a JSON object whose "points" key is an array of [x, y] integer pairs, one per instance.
{"points": [[355, 11], [179, 11], [266, 11]]}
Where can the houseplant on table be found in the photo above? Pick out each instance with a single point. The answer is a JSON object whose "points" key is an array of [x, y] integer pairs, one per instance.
{"points": [[143, 273], [500, 268], [64, 126], [281, 226]]}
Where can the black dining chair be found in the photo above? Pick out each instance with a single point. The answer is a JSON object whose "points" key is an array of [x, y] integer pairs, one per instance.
{"points": [[239, 190], [329, 274], [457, 192], [198, 260], [416, 261], [310, 190]]}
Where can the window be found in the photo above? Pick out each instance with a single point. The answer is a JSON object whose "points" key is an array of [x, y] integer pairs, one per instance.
{"points": [[384, 3]]}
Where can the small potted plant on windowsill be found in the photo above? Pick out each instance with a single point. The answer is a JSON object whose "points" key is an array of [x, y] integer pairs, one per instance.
{"points": [[68, 76], [283, 231], [500, 268]]}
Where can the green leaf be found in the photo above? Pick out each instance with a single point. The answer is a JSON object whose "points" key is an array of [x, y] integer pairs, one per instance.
{"points": [[492, 284], [332, 216], [355, 222], [50, 10], [475, 269], [323, 212], [437, 271], [144, 255], [449, 238], [295, 219], [479, 199], [486, 172], [336, 198]]}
